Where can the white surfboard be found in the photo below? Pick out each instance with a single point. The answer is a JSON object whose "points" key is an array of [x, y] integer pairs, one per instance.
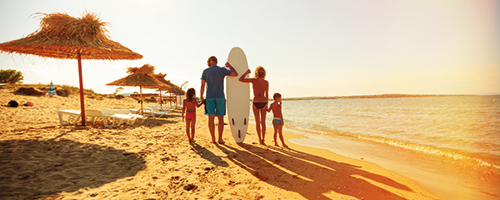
{"points": [[238, 96]]}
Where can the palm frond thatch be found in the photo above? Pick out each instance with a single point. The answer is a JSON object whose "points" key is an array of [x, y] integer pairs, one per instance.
{"points": [[63, 36]]}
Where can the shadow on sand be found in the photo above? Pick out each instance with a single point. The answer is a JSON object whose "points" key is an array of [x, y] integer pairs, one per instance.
{"points": [[290, 170], [208, 155], [31, 169], [155, 122]]}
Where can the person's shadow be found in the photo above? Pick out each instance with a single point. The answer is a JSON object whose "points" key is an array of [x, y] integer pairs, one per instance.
{"points": [[31, 169], [289, 170], [208, 155]]}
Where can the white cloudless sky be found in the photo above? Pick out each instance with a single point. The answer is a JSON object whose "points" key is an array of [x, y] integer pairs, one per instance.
{"points": [[309, 48]]}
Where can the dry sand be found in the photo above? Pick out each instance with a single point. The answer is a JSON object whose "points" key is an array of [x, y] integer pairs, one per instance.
{"points": [[40, 159]]}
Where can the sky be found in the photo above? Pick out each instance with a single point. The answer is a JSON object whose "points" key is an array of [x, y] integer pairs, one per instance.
{"points": [[309, 48]]}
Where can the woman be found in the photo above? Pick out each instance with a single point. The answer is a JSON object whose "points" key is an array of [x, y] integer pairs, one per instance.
{"points": [[260, 98]]}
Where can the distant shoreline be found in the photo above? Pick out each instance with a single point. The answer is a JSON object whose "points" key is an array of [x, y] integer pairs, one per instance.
{"points": [[379, 96], [376, 96]]}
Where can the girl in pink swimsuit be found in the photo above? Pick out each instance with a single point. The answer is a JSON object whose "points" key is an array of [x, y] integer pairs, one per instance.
{"points": [[189, 107]]}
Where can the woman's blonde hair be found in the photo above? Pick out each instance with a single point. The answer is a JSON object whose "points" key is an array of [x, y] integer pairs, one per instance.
{"points": [[260, 72]]}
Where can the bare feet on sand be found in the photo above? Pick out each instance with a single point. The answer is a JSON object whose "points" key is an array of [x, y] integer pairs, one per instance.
{"points": [[284, 145]]}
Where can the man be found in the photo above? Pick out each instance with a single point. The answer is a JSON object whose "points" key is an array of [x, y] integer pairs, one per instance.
{"points": [[215, 103]]}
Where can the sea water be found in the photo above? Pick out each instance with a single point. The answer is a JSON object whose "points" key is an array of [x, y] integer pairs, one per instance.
{"points": [[458, 127]]}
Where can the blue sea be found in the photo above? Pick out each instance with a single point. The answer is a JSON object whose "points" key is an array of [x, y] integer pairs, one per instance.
{"points": [[457, 127]]}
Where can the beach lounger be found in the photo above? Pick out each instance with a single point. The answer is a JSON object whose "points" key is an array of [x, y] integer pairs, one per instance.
{"points": [[92, 115], [72, 117], [138, 117], [149, 111], [164, 107], [175, 106], [115, 118], [129, 113], [156, 111]]}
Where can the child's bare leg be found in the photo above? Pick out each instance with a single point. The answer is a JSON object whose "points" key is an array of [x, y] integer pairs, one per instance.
{"points": [[275, 135], [193, 123], [281, 136], [187, 129]]}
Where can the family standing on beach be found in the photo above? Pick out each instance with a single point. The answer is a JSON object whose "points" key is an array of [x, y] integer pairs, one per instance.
{"points": [[215, 103]]}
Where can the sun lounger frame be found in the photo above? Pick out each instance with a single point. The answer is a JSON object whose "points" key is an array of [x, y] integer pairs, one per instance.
{"points": [[115, 116]]}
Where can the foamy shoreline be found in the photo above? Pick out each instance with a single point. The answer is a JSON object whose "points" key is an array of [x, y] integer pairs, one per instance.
{"points": [[404, 161], [41, 159]]}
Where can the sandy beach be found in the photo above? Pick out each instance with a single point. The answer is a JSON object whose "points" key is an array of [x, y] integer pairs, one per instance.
{"points": [[40, 159]]}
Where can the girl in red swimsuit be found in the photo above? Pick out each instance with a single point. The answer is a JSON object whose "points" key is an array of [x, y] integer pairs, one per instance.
{"points": [[190, 104], [261, 97]]}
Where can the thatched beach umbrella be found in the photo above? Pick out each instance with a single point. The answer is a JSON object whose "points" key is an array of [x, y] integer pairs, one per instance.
{"points": [[142, 77], [65, 37], [174, 89], [164, 88]]}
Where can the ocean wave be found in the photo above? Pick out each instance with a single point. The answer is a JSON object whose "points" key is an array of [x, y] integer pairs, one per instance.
{"points": [[395, 143], [428, 150]]}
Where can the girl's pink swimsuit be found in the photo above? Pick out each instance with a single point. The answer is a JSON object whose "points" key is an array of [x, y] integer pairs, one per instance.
{"points": [[190, 115]]}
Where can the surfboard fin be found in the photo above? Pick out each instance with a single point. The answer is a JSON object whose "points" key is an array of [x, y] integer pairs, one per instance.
{"points": [[245, 122], [233, 121], [239, 134]]}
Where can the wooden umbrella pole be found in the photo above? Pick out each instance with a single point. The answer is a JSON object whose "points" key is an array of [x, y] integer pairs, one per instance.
{"points": [[142, 100], [175, 99], [82, 104], [170, 99], [161, 106]]}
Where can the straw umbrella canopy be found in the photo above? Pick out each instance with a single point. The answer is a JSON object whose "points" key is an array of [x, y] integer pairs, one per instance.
{"points": [[65, 37], [163, 87], [142, 77], [173, 88], [166, 86]]}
